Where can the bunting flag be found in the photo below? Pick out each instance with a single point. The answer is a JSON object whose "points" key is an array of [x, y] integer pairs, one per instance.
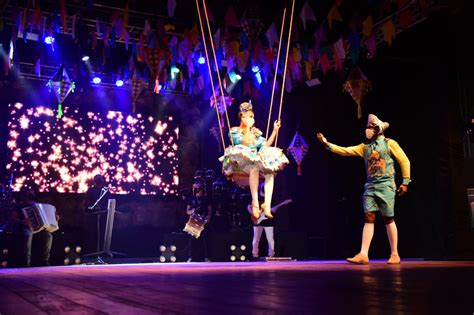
{"points": [[272, 35], [217, 38], [308, 69], [334, 15], [231, 18], [319, 36], [307, 14], [324, 62], [371, 45], [367, 26], [339, 49], [171, 7], [388, 30], [405, 19], [354, 43], [63, 15], [298, 149], [357, 85], [124, 33], [61, 85], [38, 18]]}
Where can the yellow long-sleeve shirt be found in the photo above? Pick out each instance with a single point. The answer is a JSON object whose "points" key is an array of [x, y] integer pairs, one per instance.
{"points": [[395, 150]]}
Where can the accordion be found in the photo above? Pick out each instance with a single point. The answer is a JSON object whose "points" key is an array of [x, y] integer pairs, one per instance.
{"points": [[42, 217]]}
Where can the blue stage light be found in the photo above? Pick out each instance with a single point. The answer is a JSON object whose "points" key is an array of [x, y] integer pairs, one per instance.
{"points": [[49, 40], [259, 78], [85, 58], [96, 80], [119, 83], [201, 60]]}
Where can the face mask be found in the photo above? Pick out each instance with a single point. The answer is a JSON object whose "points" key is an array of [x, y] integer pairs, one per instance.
{"points": [[369, 133], [250, 122]]}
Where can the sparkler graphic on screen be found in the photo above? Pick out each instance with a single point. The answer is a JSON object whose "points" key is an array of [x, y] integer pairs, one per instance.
{"points": [[133, 153]]}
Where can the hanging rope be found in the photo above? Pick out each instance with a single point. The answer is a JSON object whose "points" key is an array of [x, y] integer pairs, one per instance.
{"points": [[286, 63], [276, 73], [210, 75], [217, 67]]}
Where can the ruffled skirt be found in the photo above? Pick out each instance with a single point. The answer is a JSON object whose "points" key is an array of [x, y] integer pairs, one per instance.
{"points": [[238, 160]]}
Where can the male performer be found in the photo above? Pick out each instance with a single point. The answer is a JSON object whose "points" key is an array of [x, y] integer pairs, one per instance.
{"points": [[380, 189]]}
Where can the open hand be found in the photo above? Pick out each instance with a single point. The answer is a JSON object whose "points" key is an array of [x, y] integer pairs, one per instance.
{"points": [[322, 139], [402, 190]]}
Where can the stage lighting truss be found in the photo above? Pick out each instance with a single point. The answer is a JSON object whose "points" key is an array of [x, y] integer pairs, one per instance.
{"points": [[72, 255], [238, 253], [168, 254]]}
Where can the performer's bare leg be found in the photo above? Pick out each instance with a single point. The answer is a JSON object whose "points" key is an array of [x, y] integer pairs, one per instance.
{"points": [[392, 234], [267, 205], [253, 183]]}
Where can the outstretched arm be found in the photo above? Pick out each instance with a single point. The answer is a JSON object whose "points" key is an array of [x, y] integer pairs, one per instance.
{"points": [[357, 150]]}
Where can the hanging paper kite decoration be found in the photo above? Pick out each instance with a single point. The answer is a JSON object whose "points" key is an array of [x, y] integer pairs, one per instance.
{"points": [[298, 149], [136, 87], [357, 85], [62, 86], [153, 58]]}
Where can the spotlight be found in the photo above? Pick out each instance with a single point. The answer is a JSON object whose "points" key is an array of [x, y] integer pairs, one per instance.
{"points": [[234, 77], [168, 253], [174, 69], [85, 58], [4, 258], [73, 255], [201, 60], [255, 69], [238, 252], [49, 40], [119, 83], [96, 80]]}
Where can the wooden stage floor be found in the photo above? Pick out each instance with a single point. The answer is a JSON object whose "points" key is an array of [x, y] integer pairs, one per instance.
{"points": [[306, 287]]}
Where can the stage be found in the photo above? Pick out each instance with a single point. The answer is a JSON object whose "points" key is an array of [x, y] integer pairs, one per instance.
{"points": [[303, 287]]}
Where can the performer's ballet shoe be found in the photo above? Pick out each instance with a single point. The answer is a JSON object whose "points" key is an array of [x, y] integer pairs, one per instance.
{"points": [[360, 259], [394, 259], [266, 211], [255, 211]]}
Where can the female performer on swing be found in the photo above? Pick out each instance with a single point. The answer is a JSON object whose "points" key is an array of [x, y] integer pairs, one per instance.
{"points": [[253, 155]]}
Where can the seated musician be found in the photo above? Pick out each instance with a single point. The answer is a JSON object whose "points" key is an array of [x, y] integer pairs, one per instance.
{"points": [[199, 205], [20, 229]]}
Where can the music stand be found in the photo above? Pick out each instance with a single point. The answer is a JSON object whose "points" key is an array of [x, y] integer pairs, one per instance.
{"points": [[108, 230], [98, 260]]}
